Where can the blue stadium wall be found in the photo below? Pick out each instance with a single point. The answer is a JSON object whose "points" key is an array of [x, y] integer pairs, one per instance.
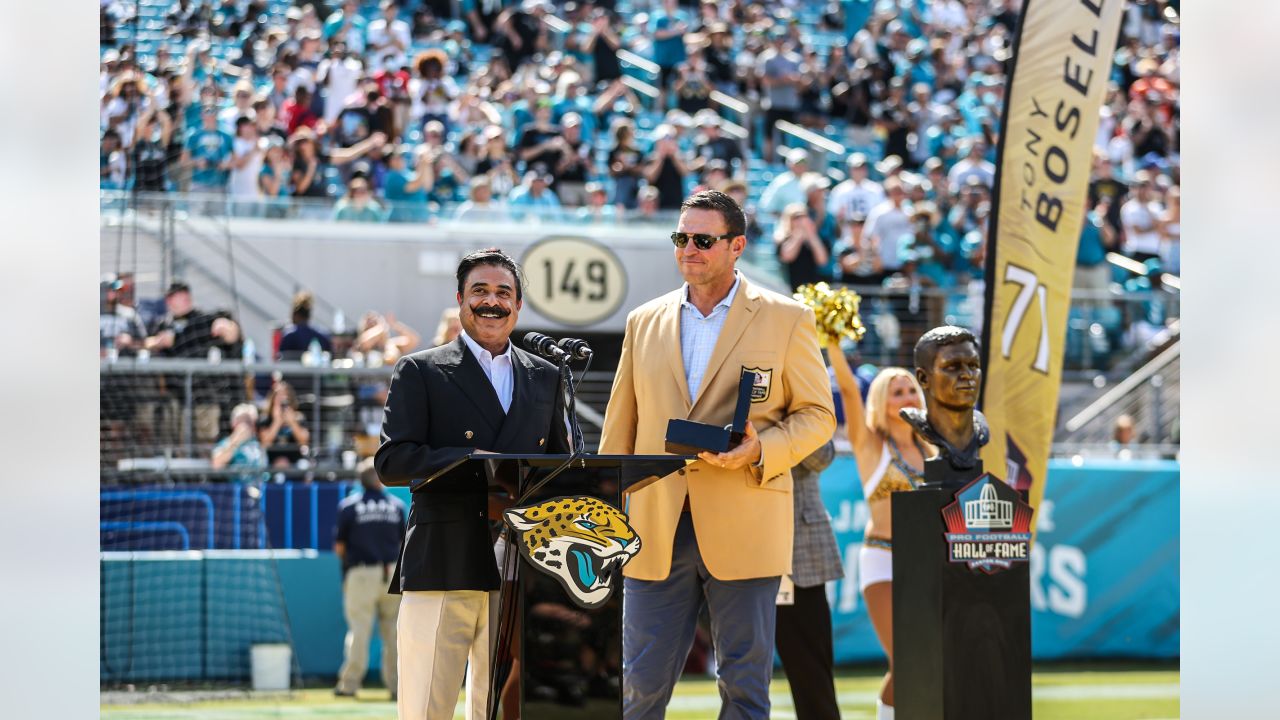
{"points": [[1104, 582]]}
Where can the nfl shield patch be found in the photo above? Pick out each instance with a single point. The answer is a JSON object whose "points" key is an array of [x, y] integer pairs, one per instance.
{"points": [[760, 391]]}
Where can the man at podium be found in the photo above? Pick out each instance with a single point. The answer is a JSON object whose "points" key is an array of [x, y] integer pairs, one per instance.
{"points": [[718, 531], [478, 392]]}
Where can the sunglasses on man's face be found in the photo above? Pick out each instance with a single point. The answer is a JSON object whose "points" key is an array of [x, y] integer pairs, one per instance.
{"points": [[703, 242]]}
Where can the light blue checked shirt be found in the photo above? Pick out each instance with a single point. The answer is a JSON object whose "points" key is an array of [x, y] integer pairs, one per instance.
{"points": [[698, 335]]}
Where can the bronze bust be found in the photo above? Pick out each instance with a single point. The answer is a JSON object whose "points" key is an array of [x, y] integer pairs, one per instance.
{"points": [[948, 369]]}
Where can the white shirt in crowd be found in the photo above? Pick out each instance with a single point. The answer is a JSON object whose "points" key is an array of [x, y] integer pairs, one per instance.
{"points": [[119, 107], [1139, 220], [227, 118], [949, 14], [851, 198], [386, 56], [961, 171], [243, 182], [497, 369], [431, 96], [887, 224], [342, 80]]}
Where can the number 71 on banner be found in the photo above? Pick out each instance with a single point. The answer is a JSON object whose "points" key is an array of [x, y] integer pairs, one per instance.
{"points": [[1031, 286]]}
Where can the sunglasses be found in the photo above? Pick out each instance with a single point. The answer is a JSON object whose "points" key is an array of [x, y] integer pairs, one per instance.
{"points": [[703, 242]]}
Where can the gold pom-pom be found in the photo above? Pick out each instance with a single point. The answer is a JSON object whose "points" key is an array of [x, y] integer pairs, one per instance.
{"points": [[836, 312]]}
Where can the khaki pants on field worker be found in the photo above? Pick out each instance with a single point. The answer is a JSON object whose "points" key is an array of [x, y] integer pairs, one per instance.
{"points": [[364, 597]]}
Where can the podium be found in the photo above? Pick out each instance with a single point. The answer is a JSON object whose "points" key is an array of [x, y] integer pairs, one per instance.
{"points": [[570, 655], [961, 636]]}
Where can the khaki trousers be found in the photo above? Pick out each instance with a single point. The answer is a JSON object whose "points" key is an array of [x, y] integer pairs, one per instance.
{"points": [[365, 597], [442, 634]]}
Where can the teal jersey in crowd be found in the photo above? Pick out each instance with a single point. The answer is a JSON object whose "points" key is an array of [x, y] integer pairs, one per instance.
{"points": [[670, 52], [334, 23], [1091, 250], [547, 207], [284, 181], [446, 188], [856, 15], [406, 205], [348, 212], [393, 188], [213, 147], [249, 456]]}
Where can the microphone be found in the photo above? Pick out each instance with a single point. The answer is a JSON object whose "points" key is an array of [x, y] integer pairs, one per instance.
{"points": [[544, 346], [577, 349]]}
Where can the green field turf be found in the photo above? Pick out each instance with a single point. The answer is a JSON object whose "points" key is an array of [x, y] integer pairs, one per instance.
{"points": [[1059, 693]]}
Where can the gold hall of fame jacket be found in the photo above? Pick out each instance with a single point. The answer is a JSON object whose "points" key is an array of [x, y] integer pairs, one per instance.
{"points": [[743, 518]]}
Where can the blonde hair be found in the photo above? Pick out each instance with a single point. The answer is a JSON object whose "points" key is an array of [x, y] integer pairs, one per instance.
{"points": [[447, 317], [245, 410], [878, 397]]}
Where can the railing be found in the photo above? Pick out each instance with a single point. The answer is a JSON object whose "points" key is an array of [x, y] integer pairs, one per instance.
{"points": [[819, 147], [114, 203], [1100, 327], [1149, 397], [215, 516], [236, 250], [134, 496], [161, 418]]}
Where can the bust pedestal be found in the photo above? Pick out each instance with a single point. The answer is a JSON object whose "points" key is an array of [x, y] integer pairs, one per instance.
{"points": [[961, 637]]}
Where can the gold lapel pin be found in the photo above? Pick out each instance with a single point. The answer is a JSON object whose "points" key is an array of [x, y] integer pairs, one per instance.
{"points": [[468, 434], [541, 441]]}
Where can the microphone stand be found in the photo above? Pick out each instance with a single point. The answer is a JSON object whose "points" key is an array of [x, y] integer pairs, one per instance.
{"points": [[507, 626], [576, 440], [575, 430]]}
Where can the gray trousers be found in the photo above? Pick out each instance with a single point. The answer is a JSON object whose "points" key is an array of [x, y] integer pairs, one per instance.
{"points": [[658, 622]]}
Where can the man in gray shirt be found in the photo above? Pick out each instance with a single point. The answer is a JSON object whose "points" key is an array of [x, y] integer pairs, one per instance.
{"points": [[778, 70], [887, 223]]}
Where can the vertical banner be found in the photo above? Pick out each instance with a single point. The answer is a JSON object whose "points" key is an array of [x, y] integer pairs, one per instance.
{"points": [[1061, 62]]}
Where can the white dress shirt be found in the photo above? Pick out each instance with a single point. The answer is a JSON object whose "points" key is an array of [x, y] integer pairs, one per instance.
{"points": [[699, 333], [498, 369]]}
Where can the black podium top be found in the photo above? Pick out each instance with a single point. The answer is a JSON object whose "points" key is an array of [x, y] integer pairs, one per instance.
{"points": [[634, 468]]}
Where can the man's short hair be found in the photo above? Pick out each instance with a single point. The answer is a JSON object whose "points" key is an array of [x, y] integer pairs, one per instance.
{"points": [[927, 346], [490, 256], [721, 203], [367, 473]]}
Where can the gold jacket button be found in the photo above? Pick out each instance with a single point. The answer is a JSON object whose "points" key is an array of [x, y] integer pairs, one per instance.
{"points": [[541, 442], [468, 434]]}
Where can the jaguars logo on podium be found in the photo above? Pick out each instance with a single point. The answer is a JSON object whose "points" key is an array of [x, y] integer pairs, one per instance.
{"points": [[580, 541]]}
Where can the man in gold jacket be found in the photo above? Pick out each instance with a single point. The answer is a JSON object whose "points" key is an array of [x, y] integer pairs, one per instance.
{"points": [[718, 531]]}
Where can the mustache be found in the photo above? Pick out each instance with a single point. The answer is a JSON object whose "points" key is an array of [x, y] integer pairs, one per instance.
{"points": [[490, 311]]}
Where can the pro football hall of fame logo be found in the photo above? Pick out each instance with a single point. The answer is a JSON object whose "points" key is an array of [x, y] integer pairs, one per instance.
{"points": [[988, 526]]}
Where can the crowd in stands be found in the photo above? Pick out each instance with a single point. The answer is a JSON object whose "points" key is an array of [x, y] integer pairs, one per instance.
{"points": [[595, 112], [261, 425], [598, 112]]}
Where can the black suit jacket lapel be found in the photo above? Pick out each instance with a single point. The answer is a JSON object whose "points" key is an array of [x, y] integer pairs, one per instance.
{"points": [[464, 369]]}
